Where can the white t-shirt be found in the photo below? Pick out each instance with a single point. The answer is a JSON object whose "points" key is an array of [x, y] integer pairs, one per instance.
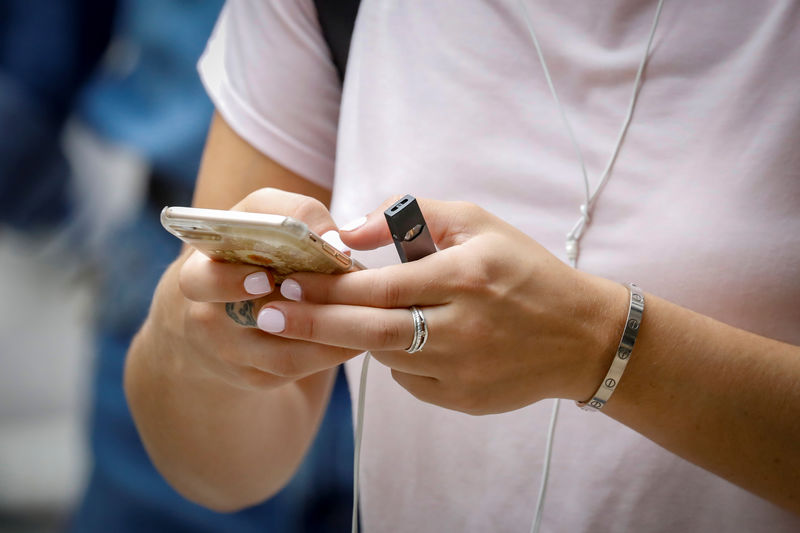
{"points": [[448, 100]]}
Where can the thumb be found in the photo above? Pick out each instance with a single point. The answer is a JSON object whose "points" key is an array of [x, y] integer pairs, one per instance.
{"points": [[450, 223]]}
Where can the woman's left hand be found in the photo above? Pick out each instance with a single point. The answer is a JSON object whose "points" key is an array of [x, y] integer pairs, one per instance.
{"points": [[508, 323]]}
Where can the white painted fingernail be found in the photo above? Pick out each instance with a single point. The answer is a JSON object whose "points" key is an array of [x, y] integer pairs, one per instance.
{"points": [[354, 224], [291, 290], [271, 320], [332, 238], [257, 283]]}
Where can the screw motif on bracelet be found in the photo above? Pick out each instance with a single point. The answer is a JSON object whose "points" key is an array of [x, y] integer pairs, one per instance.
{"points": [[624, 350]]}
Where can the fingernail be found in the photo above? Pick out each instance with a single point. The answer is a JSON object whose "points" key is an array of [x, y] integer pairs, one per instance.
{"points": [[257, 283], [354, 224], [271, 320], [291, 290], [332, 238]]}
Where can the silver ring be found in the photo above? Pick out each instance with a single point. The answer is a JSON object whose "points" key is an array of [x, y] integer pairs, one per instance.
{"points": [[420, 330]]}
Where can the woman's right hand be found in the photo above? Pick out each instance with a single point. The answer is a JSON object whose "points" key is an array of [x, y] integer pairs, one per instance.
{"points": [[195, 301], [226, 411]]}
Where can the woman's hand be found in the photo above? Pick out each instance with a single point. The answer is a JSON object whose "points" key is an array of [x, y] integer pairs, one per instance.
{"points": [[221, 298], [509, 324], [226, 411]]}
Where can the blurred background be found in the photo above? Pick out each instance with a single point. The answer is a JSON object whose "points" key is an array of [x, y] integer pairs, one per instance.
{"points": [[102, 123]]}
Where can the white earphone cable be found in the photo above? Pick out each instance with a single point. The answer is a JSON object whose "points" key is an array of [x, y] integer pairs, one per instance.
{"points": [[362, 394], [548, 452], [575, 234], [586, 208]]}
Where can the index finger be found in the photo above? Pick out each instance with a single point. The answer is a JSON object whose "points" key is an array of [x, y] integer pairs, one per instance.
{"points": [[450, 224], [431, 280]]}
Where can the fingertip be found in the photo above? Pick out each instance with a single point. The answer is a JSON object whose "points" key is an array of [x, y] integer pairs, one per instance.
{"points": [[354, 224], [258, 283], [365, 233], [291, 290], [271, 320]]}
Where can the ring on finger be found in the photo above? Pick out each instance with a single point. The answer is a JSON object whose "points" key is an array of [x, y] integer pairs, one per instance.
{"points": [[420, 330]]}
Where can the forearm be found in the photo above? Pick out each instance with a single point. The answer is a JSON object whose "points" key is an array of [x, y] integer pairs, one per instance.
{"points": [[723, 398], [220, 445]]}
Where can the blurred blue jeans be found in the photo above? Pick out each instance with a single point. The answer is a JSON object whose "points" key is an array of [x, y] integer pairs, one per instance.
{"points": [[47, 50], [34, 175]]}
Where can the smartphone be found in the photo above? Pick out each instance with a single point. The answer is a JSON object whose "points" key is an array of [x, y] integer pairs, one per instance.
{"points": [[281, 243]]}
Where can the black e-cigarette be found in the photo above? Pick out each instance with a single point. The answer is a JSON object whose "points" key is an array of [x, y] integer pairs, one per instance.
{"points": [[409, 230]]}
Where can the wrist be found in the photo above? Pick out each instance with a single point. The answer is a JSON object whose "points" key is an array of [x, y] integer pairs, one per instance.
{"points": [[606, 309]]}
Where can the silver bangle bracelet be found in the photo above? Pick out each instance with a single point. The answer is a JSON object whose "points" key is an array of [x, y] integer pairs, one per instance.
{"points": [[624, 350]]}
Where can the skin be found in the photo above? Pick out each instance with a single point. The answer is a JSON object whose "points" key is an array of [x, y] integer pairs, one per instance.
{"points": [[195, 379]]}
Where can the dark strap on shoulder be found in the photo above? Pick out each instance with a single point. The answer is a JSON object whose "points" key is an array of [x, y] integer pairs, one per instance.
{"points": [[337, 18]]}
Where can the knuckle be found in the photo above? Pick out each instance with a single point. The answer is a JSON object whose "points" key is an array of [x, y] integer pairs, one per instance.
{"points": [[467, 401], [475, 276], [202, 315], [481, 331], [391, 294], [285, 365], [388, 334], [257, 379], [471, 332], [387, 292], [464, 205], [468, 208], [299, 324], [309, 328], [187, 283], [259, 196], [478, 332], [308, 208]]}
